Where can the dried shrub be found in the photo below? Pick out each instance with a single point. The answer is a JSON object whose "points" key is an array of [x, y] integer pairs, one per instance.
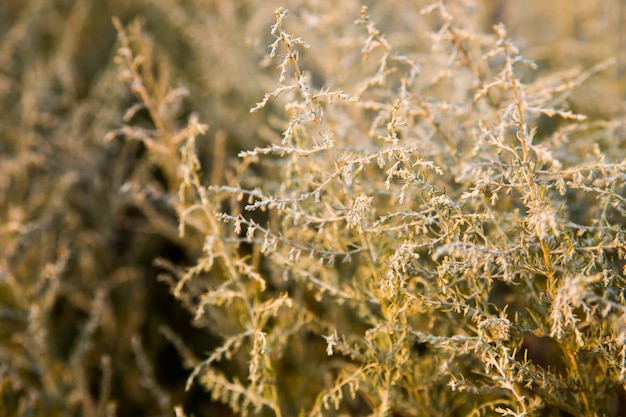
{"points": [[416, 218]]}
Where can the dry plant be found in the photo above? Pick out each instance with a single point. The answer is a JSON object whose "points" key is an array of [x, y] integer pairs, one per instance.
{"points": [[415, 219], [454, 258]]}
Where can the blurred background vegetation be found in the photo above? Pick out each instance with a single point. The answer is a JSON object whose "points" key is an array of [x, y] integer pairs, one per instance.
{"points": [[85, 324]]}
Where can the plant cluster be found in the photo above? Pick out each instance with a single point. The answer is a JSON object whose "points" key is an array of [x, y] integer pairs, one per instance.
{"points": [[415, 218], [427, 229]]}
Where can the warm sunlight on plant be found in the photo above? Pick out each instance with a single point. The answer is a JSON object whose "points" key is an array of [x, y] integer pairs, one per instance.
{"points": [[408, 209], [420, 223]]}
